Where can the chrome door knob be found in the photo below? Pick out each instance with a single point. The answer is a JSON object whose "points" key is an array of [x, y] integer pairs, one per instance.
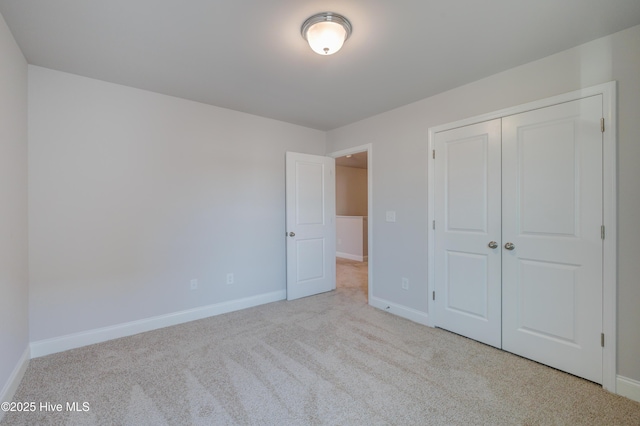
{"points": [[509, 246], [493, 245], [292, 234]]}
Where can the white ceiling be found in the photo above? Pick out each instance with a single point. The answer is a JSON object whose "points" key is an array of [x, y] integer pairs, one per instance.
{"points": [[248, 55]]}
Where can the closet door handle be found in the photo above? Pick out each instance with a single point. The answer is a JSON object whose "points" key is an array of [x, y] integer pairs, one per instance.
{"points": [[509, 246], [493, 245]]}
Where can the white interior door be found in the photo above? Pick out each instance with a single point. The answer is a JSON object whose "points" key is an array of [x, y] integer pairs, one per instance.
{"points": [[467, 231], [552, 215], [311, 229]]}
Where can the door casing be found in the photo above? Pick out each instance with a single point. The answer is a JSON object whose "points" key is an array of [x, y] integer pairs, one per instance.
{"points": [[369, 150]]}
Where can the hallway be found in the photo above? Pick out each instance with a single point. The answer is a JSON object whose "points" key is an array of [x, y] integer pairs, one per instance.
{"points": [[352, 276]]}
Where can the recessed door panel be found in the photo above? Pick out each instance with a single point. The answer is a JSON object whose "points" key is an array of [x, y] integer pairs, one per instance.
{"points": [[537, 281], [466, 184], [467, 284], [547, 175], [309, 193], [311, 259]]}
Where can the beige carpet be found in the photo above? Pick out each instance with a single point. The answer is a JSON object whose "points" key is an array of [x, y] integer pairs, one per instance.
{"points": [[326, 359]]}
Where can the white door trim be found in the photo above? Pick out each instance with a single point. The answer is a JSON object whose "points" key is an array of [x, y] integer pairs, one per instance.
{"points": [[609, 313], [369, 149]]}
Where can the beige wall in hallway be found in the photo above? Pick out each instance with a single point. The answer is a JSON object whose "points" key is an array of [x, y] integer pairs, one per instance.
{"points": [[351, 191]]}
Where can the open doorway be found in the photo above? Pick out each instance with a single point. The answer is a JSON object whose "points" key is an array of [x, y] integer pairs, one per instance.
{"points": [[353, 222]]}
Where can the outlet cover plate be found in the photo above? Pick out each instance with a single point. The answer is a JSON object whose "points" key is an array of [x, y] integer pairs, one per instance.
{"points": [[391, 216]]}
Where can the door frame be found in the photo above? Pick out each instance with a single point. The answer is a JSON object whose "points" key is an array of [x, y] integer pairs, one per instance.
{"points": [[609, 183], [368, 148]]}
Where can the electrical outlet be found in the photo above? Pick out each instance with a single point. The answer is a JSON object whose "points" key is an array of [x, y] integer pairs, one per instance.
{"points": [[405, 283], [194, 284], [230, 278]]}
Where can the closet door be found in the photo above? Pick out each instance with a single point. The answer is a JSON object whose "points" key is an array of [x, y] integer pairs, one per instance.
{"points": [[467, 234], [551, 228]]}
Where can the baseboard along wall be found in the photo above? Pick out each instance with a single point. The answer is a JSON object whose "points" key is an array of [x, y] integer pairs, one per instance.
{"points": [[10, 387], [401, 311], [351, 256], [628, 388], [76, 340]]}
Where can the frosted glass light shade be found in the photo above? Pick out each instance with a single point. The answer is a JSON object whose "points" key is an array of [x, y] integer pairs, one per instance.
{"points": [[326, 32], [326, 38]]}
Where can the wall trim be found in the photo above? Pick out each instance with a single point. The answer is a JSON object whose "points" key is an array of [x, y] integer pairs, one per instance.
{"points": [[401, 311], [11, 386], [628, 388], [350, 256], [76, 340]]}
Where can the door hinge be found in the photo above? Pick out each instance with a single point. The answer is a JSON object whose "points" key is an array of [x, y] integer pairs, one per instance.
{"points": [[602, 232], [602, 124], [433, 225], [602, 339], [433, 154], [433, 295]]}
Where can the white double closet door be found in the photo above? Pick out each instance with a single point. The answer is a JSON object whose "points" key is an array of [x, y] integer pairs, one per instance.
{"points": [[518, 246]]}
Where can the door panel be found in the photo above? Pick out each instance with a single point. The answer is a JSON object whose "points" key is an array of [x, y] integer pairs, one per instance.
{"points": [[310, 196], [541, 148], [462, 298], [310, 217], [466, 183], [552, 213], [537, 281], [467, 271], [311, 259]]}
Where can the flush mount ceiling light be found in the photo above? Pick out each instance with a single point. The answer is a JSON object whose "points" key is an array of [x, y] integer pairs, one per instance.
{"points": [[326, 32]]}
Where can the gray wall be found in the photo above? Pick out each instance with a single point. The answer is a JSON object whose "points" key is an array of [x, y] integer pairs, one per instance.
{"points": [[626, 70], [132, 194], [14, 337], [399, 139]]}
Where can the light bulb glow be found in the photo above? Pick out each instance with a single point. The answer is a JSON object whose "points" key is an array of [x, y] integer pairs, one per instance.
{"points": [[326, 38]]}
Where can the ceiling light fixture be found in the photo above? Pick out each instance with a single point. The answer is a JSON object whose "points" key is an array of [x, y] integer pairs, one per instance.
{"points": [[326, 32]]}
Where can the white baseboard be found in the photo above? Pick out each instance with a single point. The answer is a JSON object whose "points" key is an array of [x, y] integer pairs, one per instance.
{"points": [[628, 387], [401, 311], [71, 341], [350, 256], [10, 387]]}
